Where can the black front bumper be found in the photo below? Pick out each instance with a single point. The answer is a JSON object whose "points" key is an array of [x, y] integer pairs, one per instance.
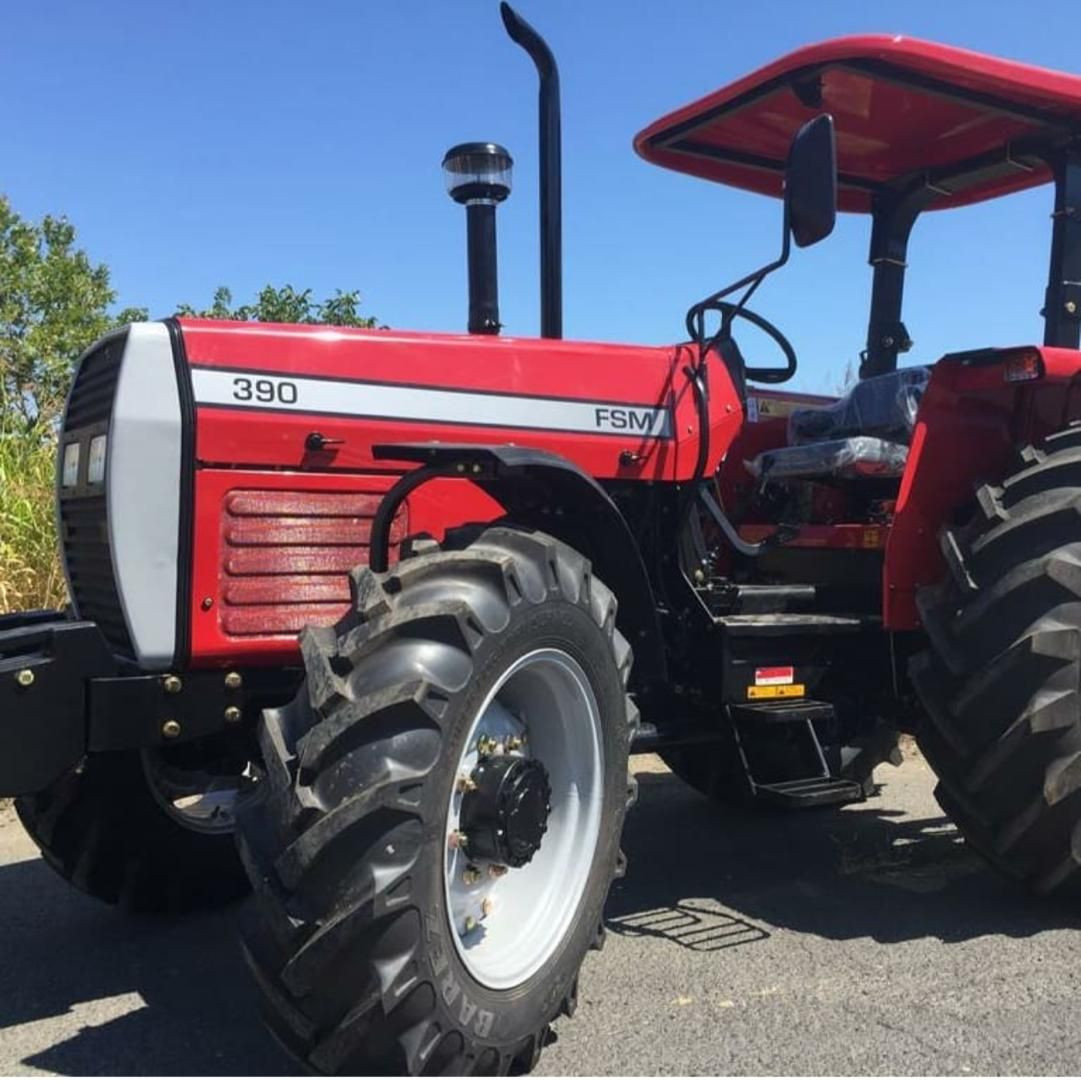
{"points": [[46, 664], [64, 694]]}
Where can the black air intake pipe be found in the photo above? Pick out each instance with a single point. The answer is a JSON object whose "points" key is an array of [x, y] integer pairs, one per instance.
{"points": [[551, 190]]}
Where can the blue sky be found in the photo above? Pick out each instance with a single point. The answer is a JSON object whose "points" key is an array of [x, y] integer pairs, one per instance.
{"points": [[195, 144]]}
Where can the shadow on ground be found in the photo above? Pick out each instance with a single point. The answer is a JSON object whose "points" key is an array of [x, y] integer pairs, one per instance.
{"points": [[708, 878], [188, 1001], [701, 878]]}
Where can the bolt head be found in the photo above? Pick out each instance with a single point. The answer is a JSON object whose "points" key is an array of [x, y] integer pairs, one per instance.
{"points": [[234, 680], [232, 714], [470, 924], [172, 684], [25, 677], [207, 604], [471, 875], [1071, 306], [497, 870], [170, 729], [515, 743], [487, 906], [456, 839]]}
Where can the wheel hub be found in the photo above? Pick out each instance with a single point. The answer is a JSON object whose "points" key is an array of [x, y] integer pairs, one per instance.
{"points": [[505, 809]]}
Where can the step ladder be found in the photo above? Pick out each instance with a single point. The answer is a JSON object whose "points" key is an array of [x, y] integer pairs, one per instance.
{"points": [[814, 786]]}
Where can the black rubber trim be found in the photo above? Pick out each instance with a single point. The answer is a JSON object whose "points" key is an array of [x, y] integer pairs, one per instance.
{"points": [[185, 546]]}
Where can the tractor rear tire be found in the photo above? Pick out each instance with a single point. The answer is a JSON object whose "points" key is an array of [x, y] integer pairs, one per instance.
{"points": [[365, 959], [1002, 674], [105, 827]]}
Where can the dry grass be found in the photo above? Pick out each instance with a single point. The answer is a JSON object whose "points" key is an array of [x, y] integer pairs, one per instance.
{"points": [[30, 574]]}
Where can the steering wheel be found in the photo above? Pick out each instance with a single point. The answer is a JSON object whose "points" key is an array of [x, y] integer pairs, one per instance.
{"points": [[729, 312]]}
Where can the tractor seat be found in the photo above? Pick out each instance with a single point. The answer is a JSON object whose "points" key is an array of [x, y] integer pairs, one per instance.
{"points": [[865, 433]]}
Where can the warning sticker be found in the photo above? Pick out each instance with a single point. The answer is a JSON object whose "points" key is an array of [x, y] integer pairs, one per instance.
{"points": [[790, 690], [772, 677]]}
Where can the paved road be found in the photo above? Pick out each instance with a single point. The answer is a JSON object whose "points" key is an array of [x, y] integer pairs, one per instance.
{"points": [[866, 940]]}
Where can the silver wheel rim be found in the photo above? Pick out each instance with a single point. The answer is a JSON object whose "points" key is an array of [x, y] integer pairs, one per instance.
{"points": [[200, 800], [507, 922]]}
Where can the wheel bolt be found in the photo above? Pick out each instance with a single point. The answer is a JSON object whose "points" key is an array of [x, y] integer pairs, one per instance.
{"points": [[456, 839], [470, 924], [486, 745], [466, 784], [170, 729], [486, 907], [496, 870], [471, 875], [515, 743]]}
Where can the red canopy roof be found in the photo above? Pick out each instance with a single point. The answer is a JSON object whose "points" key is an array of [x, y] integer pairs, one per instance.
{"points": [[906, 111]]}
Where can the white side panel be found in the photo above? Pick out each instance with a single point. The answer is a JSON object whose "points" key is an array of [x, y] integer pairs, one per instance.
{"points": [[143, 485]]}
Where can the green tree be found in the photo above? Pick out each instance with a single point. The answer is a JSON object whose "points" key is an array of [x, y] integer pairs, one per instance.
{"points": [[286, 305], [53, 303]]}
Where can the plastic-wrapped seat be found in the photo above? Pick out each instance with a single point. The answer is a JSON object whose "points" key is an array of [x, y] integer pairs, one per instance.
{"points": [[865, 433]]}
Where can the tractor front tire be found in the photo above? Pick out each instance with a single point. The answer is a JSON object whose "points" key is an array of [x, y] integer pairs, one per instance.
{"points": [[385, 937], [1002, 674], [107, 827]]}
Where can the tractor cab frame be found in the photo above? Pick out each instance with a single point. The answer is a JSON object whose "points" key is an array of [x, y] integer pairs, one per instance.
{"points": [[920, 127]]}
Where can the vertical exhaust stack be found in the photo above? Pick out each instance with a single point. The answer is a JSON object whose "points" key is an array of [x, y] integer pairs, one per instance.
{"points": [[551, 189]]}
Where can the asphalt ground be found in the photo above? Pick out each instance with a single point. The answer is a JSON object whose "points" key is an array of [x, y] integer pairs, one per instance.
{"points": [[867, 940]]}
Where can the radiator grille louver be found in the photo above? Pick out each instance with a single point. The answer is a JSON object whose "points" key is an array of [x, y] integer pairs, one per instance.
{"points": [[84, 530], [287, 557]]}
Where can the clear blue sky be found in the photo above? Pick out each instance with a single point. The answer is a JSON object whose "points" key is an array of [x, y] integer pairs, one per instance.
{"points": [[195, 144]]}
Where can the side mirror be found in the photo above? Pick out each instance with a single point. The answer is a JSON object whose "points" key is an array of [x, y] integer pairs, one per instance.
{"points": [[810, 182]]}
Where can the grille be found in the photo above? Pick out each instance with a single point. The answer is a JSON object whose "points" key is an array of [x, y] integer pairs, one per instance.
{"points": [[83, 516], [91, 400], [287, 557]]}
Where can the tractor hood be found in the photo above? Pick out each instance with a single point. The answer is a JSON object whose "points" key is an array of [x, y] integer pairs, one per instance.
{"points": [[906, 111]]}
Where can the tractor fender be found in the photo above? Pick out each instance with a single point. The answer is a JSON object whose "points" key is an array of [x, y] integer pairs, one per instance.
{"points": [[540, 490]]}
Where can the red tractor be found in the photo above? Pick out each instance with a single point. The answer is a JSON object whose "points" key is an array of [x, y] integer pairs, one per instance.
{"points": [[512, 562]]}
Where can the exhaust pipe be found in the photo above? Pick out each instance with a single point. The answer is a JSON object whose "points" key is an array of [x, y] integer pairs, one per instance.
{"points": [[551, 193]]}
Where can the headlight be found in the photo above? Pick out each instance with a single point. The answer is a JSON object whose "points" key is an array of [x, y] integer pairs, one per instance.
{"points": [[95, 466], [70, 473]]}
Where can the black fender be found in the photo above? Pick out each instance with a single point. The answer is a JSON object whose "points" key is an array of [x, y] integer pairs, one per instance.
{"points": [[542, 491]]}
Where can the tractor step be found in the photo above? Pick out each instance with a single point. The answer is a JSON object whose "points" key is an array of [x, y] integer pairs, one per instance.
{"points": [[777, 624], [811, 792], [799, 711]]}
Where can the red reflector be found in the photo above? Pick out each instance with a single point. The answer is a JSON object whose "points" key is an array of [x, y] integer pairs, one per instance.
{"points": [[1023, 366]]}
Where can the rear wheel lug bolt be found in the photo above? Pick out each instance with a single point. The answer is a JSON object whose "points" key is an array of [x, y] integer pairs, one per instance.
{"points": [[497, 870], [486, 907], [470, 924], [456, 839], [471, 875]]}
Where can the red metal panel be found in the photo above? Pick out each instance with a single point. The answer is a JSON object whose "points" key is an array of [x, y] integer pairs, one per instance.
{"points": [[581, 372], [969, 424], [273, 551]]}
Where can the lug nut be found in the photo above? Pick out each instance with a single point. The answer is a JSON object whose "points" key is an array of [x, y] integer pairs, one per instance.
{"points": [[234, 680], [24, 677], [470, 924], [486, 745], [497, 870], [486, 907], [471, 875], [172, 685], [170, 729], [456, 839], [466, 784], [515, 743], [232, 714]]}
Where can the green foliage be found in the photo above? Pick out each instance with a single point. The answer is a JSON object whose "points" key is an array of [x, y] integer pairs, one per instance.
{"points": [[30, 575], [53, 303], [286, 305]]}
